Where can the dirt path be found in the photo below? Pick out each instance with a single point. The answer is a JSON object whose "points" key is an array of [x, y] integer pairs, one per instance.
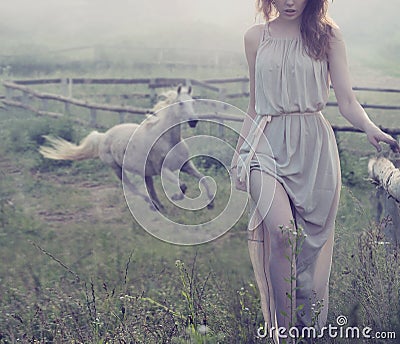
{"points": [[60, 200]]}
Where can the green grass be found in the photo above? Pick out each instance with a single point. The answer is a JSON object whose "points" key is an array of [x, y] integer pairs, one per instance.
{"points": [[76, 267]]}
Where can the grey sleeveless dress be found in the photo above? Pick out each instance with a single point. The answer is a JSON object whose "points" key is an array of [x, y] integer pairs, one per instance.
{"points": [[301, 153]]}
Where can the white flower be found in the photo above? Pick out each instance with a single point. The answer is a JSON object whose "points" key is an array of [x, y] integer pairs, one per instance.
{"points": [[203, 329]]}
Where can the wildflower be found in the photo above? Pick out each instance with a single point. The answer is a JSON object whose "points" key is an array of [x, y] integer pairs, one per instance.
{"points": [[203, 329]]}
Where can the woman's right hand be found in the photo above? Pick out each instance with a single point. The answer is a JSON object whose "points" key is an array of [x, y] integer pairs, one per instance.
{"points": [[376, 135]]}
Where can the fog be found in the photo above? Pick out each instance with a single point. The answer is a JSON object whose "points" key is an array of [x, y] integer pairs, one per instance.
{"points": [[65, 23], [369, 26]]}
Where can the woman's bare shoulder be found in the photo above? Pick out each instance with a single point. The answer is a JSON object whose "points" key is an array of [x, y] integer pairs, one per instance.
{"points": [[336, 34], [253, 34]]}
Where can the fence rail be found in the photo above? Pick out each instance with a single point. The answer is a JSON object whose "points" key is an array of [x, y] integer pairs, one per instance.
{"points": [[77, 102], [215, 85]]}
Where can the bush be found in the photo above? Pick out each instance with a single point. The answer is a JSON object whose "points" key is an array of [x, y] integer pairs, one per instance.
{"points": [[27, 134]]}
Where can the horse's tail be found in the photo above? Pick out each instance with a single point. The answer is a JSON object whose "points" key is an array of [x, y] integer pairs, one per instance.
{"points": [[61, 149]]}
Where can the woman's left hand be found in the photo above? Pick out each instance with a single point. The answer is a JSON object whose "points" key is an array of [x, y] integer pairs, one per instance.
{"points": [[376, 135]]}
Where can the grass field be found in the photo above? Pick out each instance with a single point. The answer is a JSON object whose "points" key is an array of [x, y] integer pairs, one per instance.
{"points": [[76, 267]]}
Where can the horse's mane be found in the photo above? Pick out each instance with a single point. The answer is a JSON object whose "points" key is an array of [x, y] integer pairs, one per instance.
{"points": [[168, 98]]}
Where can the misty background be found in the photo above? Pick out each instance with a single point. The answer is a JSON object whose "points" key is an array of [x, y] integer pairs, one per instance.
{"points": [[47, 27]]}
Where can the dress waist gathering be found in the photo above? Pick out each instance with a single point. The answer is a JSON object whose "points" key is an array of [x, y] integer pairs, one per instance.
{"points": [[255, 134]]}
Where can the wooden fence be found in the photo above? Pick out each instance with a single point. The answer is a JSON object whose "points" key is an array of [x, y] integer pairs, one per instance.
{"points": [[27, 94], [23, 100], [382, 171], [386, 174]]}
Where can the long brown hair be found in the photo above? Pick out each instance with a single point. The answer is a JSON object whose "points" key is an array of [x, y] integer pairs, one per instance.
{"points": [[316, 26]]}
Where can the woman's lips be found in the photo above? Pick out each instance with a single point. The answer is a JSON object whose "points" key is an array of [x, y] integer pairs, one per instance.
{"points": [[290, 12]]}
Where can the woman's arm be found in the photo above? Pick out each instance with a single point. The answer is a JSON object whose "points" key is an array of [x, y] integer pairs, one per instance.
{"points": [[349, 107], [251, 41]]}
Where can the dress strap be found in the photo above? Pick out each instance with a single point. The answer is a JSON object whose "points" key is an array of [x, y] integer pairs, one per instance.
{"points": [[264, 33], [267, 32]]}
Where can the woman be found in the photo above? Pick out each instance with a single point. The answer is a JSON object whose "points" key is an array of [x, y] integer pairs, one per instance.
{"points": [[287, 156]]}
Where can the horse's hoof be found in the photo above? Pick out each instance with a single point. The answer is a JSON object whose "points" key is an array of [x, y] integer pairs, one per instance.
{"points": [[183, 188], [177, 197], [153, 205], [159, 206], [156, 207]]}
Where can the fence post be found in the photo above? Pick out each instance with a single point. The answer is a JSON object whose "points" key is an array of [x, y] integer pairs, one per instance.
{"points": [[392, 208], [392, 228], [386, 207], [93, 118], [153, 92], [121, 117], [67, 109], [45, 105], [66, 93], [9, 93], [64, 86], [245, 87], [25, 98], [221, 127], [70, 84]]}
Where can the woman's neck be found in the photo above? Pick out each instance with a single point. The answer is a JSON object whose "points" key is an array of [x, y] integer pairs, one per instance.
{"points": [[283, 27]]}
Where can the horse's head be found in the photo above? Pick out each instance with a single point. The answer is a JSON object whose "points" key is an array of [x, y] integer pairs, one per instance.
{"points": [[186, 110], [176, 106]]}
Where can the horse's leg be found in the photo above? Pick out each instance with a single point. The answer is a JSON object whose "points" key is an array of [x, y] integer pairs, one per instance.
{"points": [[118, 171], [171, 177], [152, 192], [189, 168], [131, 187]]}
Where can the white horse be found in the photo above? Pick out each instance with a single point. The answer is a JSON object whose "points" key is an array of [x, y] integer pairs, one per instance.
{"points": [[141, 148]]}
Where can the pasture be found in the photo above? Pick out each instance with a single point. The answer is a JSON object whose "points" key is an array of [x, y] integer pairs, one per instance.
{"points": [[76, 267]]}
